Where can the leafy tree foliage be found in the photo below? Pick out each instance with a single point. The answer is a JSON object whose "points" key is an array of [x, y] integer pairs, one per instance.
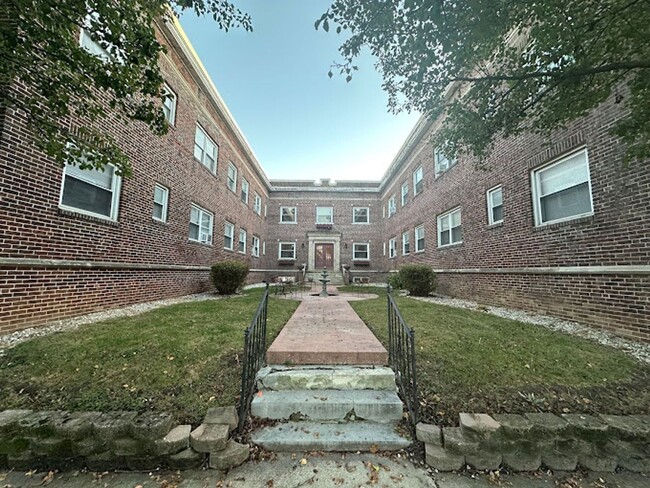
{"points": [[64, 91], [501, 67]]}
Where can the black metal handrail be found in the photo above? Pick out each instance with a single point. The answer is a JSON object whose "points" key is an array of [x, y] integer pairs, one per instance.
{"points": [[401, 357], [254, 356]]}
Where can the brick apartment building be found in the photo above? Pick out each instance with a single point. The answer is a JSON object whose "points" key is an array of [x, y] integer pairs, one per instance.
{"points": [[557, 225]]}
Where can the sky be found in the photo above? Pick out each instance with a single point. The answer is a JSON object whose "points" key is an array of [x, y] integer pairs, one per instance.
{"points": [[300, 123]]}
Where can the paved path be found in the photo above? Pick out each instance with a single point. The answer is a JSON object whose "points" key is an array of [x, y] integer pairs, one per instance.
{"points": [[326, 331]]}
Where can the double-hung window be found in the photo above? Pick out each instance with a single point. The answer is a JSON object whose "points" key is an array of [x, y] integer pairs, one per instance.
{"points": [[392, 206], [92, 46], [360, 251], [242, 241], [205, 149], [495, 205], [442, 161], [419, 238], [405, 193], [360, 215], [562, 190], [91, 191], [288, 215], [160, 199], [287, 250], [244, 190], [257, 204], [255, 246], [449, 228], [169, 104], [392, 247], [228, 236], [232, 178], [200, 225], [324, 215], [406, 243], [417, 181]]}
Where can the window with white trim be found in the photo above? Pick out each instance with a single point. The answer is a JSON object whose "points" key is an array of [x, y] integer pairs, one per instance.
{"points": [[205, 149], [263, 248], [360, 251], [257, 204], [200, 225], [392, 206], [419, 238], [90, 191], [232, 178], [495, 205], [228, 236], [169, 104], [406, 243], [449, 228], [383, 248], [92, 46], [244, 190], [255, 246], [405, 193], [360, 215], [160, 199], [392, 247], [288, 215], [562, 190], [287, 250], [242, 241], [324, 215], [442, 162], [417, 181]]}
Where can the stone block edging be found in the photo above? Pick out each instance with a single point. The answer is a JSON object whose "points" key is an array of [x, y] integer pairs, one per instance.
{"points": [[117, 440], [529, 441]]}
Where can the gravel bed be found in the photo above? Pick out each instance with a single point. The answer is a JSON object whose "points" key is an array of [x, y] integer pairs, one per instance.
{"points": [[638, 350], [10, 340]]}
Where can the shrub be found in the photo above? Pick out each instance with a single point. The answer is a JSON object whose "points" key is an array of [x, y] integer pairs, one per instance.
{"points": [[228, 276], [395, 281], [418, 279]]}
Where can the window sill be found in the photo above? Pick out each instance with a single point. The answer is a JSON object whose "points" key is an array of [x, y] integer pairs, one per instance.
{"points": [[325, 226], [577, 220], [290, 223], [159, 222], [191, 241], [450, 246], [364, 263], [496, 225], [286, 262], [420, 251], [90, 218], [361, 223], [228, 249]]}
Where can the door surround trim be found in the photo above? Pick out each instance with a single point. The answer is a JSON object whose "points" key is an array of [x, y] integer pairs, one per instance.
{"points": [[325, 238]]}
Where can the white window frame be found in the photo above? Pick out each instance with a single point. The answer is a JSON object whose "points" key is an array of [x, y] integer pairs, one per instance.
{"points": [[203, 238], [295, 215], [354, 251], [392, 206], [442, 162], [170, 98], [418, 172], [257, 204], [163, 204], [229, 226], [242, 233], [490, 204], [263, 248], [203, 157], [392, 247], [405, 193], [231, 182], [245, 190], [383, 248], [116, 183], [537, 195], [354, 215], [416, 239], [448, 216], [331, 215], [92, 46], [293, 247], [255, 246], [406, 242]]}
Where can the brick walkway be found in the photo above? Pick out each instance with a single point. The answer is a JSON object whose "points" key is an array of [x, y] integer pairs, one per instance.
{"points": [[326, 331]]}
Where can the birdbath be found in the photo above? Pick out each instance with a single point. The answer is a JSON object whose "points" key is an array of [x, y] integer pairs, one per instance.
{"points": [[324, 281]]}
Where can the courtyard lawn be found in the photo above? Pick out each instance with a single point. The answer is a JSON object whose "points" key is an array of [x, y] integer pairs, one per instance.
{"points": [[475, 362], [180, 359]]}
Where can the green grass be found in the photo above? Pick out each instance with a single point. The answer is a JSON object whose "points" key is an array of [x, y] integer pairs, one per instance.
{"points": [[181, 359], [474, 361]]}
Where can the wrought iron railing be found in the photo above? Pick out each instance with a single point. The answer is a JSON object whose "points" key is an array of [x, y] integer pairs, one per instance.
{"points": [[401, 357], [254, 356]]}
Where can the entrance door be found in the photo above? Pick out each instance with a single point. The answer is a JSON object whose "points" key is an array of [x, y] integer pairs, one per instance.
{"points": [[324, 256]]}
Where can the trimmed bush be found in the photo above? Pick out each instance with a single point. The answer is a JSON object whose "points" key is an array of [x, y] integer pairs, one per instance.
{"points": [[228, 276], [395, 281], [418, 279]]}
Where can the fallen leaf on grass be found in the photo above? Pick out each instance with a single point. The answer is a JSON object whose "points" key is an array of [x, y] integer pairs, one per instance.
{"points": [[48, 478]]}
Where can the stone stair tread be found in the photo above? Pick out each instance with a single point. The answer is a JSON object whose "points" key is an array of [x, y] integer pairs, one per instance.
{"points": [[313, 436], [326, 377], [375, 405]]}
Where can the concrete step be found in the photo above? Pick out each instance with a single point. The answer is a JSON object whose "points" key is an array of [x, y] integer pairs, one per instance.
{"points": [[311, 436], [326, 378], [377, 406]]}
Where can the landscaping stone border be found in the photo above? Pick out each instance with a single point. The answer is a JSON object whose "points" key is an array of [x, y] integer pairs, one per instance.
{"points": [[117, 440], [530, 441]]}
